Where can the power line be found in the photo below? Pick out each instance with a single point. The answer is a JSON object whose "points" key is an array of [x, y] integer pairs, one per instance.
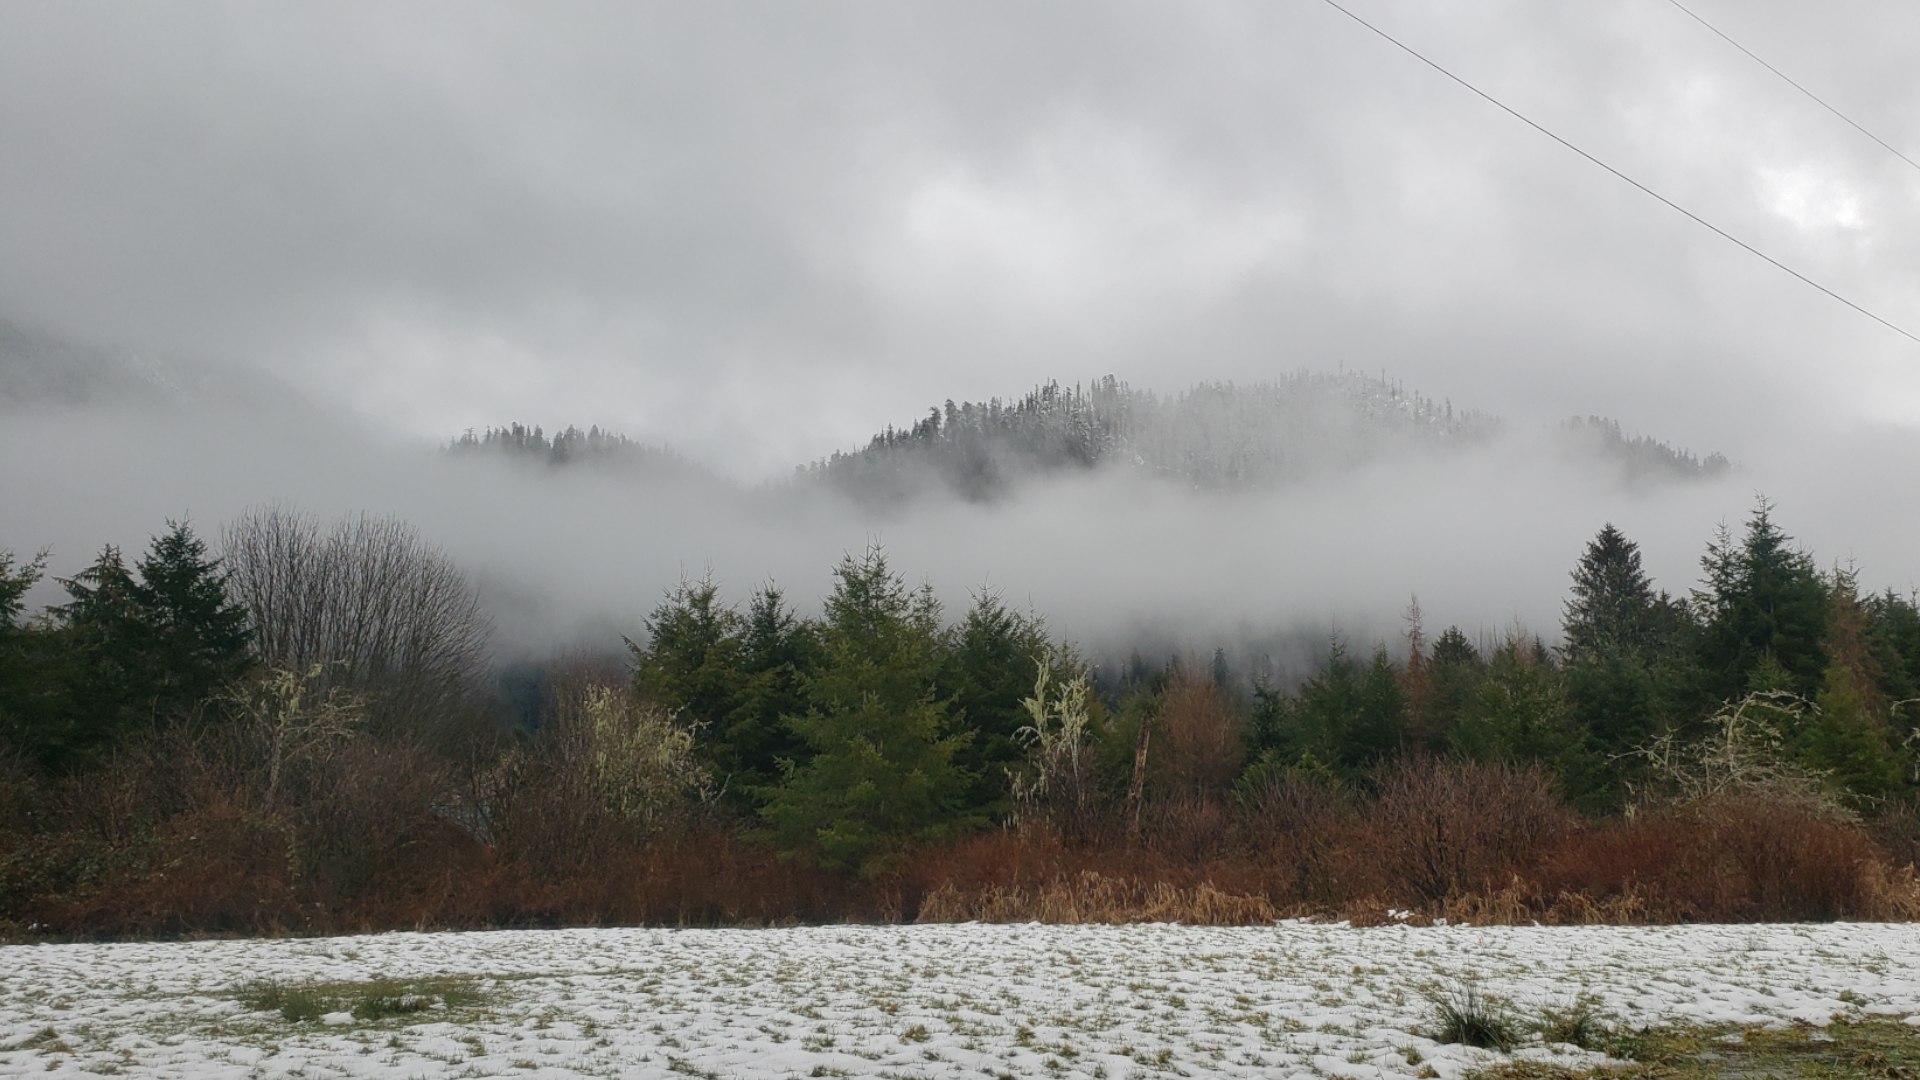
{"points": [[1783, 75], [1497, 103]]}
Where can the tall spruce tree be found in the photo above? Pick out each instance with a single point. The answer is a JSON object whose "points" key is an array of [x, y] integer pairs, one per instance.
{"points": [[1761, 597], [995, 656], [691, 666], [778, 650], [1627, 674], [1613, 607], [196, 637], [883, 771]]}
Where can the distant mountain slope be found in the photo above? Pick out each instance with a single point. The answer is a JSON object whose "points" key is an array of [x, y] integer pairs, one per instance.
{"points": [[1214, 435], [39, 369], [1211, 436]]}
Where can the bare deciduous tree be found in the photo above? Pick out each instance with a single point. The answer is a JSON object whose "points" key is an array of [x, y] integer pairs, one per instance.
{"points": [[381, 611]]}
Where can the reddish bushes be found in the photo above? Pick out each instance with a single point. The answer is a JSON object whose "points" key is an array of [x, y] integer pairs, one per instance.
{"points": [[1732, 859], [375, 849]]}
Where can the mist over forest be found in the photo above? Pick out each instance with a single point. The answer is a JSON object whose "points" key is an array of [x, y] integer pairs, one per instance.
{"points": [[485, 466], [1260, 518]]}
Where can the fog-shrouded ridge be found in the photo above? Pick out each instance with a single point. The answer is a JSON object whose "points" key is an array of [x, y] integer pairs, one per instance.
{"points": [[1483, 529]]}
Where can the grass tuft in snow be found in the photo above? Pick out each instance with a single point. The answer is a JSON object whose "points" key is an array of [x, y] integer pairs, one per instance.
{"points": [[1581, 1024], [1464, 1014]]}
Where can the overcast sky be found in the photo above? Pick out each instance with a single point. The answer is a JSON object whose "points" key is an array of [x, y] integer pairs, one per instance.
{"points": [[760, 231]]}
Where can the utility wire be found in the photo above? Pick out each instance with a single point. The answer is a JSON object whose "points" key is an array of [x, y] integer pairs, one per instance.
{"points": [[1397, 43], [1783, 75]]}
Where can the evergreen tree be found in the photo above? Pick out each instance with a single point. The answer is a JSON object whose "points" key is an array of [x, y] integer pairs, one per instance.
{"points": [[883, 771], [1455, 671], [1348, 716], [778, 650], [691, 666], [1519, 714], [996, 655], [15, 579], [39, 670], [109, 646], [1761, 598], [196, 638], [1613, 608], [130, 648], [1893, 639]]}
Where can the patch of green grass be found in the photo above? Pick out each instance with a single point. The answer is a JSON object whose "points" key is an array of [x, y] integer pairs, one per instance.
{"points": [[295, 1004], [370, 1002], [1876, 1049], [1582, 1024]]}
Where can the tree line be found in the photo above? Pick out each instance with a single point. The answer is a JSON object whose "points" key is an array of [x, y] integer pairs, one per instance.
{"points": [[310, 711]]}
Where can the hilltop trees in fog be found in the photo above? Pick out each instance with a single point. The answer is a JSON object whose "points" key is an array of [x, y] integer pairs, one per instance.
{"points": [[1212, 436]]}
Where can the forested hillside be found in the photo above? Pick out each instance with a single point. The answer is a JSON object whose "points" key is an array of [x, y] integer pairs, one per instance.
{"points": [[1214, 436]]}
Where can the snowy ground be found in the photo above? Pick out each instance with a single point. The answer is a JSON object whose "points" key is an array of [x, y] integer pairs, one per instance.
{"points": [[925, 1001]]}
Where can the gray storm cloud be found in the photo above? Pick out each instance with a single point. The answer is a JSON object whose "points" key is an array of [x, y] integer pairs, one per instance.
{"points": [[758, 233], [750, 231]]}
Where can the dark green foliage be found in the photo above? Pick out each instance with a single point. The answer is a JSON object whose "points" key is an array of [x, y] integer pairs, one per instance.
{"points": [[691, 666], [1519, 715], [196, 638], [884, 771], [995, 656], [731, 678], [1348, 716], [1760, 598], [1613, 609], [1849, 736], [1629, 672], [1893, 635], [1454, 672], [15, 579], [39, 670], [691, 662], [777, 650], [131, 648]]}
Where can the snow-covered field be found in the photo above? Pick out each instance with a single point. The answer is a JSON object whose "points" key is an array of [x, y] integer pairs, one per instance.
{"points": [[920, 1001]]}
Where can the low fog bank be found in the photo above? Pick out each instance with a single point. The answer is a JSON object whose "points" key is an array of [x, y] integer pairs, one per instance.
{"points": [[570, 558]]}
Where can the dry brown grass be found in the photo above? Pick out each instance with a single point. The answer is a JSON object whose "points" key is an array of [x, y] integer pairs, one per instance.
{"points": [[1088, 897]]}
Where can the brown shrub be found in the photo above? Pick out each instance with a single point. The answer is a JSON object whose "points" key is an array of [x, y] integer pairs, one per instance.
{"points": [[1304, 827], [1897, 830], [1197, 745], [1729, 859], [1444, 829], [1189, 828]]}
